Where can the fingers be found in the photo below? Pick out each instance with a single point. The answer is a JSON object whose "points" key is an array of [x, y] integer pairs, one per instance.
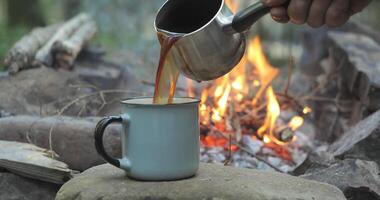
{"points": [[298, 11], [317, 13], [338, 13], [274, 3], [357, 6], [279, 14]]}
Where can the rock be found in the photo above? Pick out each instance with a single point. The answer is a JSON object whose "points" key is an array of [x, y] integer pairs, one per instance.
{"points": [[211, 182], [343, 64], [358, 179], [361, 141], [36, 91], [27, 93], [14, 187], [72, 138]]}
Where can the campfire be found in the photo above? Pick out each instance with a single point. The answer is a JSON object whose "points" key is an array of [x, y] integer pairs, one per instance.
{"points": [[245, 122]]}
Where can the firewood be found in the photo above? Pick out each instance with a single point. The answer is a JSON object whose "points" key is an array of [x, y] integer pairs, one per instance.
{"points": [[31, 161], [66, 51], [44, 55], [21, 55], [71, 138]]}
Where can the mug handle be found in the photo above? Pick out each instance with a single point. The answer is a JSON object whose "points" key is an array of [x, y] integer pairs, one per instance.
{"points": [[99, 132]]}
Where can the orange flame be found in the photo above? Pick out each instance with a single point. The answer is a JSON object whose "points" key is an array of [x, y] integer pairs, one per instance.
{"points": [[220, 110], [237, 89], [273, 112], [306, 110], [203, 108], [295, 123], [232, 5], [190, 88], [265, 71]]}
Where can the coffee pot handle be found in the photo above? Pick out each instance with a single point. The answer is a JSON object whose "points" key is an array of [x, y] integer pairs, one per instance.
{"points": [[244, 19], [123, 163]]}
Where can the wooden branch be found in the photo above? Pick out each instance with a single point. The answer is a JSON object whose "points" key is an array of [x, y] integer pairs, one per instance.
{"points": [[31, 161], [290, 73], [21, 55], [66, 51], [44, 55]]}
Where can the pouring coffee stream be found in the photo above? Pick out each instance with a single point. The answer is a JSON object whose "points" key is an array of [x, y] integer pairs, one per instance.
{"points": [[200, 39]]}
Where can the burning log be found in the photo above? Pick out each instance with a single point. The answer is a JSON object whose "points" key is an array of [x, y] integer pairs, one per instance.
{"points": [[21, 55]]}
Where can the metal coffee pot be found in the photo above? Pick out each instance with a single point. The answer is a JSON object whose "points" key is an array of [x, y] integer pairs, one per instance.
{"points": [[212, 38]]}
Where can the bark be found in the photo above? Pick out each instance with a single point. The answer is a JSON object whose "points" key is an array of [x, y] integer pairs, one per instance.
{"points": [[66, 51], [44, 55], [71, 138], [21, 55]]}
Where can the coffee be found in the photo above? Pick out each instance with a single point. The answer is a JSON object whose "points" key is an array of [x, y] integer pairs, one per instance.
{"points": [[167, 73]]}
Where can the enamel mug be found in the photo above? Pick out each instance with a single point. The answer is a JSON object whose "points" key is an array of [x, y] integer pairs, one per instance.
{"points": [[160, 142]]}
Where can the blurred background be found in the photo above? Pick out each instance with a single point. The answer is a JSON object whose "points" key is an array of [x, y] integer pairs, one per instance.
{"points": [[126, 30]]}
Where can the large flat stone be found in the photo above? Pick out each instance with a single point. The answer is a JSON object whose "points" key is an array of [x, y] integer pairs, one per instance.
{"points": [[14, 187], [212, 182]]}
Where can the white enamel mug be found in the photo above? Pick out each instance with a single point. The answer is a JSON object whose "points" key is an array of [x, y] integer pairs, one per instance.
{"points": [[159, 141]]}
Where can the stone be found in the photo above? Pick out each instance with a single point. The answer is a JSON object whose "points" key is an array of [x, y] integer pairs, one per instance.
{"points": [[358, 179], [212, 182], [343, 63], [27, 93], [361, 141], [14, 187]]}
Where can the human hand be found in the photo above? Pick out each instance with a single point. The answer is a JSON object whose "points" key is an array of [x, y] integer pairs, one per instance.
{"points": [[316, 13]]}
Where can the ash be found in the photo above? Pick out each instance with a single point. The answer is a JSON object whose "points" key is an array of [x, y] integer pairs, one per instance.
{"points": [[259, 155]]}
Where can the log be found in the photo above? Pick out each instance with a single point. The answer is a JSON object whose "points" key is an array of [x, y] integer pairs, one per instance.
{"points": [[44, 55], [71, 138], [33, 162], [21, 55], [66, 51]]}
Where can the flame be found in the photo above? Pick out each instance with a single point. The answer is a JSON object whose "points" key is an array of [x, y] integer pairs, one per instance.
{"points": [[222, 103], [295, 123], [265, 71], [273, 112], [307, 110], [244, 88], [190, 88], [203, 108], [238, 83], [266, 139], [232, 5]]}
